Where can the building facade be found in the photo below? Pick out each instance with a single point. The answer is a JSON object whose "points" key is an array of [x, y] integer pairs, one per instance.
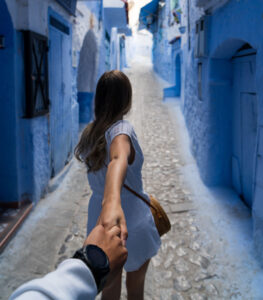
{"points": [[221, 55], [226, 135], [165, 20], [99, 46], [89, 53], [216, 63], [51, 55]]}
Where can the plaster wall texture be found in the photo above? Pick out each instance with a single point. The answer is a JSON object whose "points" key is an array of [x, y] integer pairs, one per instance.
{"points": [[30, 163], [9, 184], [32, 14], [33, 166], [164, 56], [114, 49], [210, 5], [162, 50], [89, 49], [209, 119]]}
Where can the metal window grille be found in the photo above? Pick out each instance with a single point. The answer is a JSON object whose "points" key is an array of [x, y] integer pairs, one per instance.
{"points": [[69, 5], [36, 74]]}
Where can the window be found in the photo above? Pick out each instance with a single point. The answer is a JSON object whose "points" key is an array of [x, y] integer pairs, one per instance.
{"points": [[201, 29], [36, 74], [200, 81]]}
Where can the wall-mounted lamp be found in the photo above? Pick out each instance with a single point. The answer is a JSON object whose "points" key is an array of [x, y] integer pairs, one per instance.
{"points": [[2, 42]]}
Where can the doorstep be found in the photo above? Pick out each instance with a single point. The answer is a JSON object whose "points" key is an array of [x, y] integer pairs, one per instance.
{"points": [[10, 221]]}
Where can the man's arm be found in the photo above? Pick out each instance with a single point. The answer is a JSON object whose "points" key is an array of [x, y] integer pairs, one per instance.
{"points": [[71, 280]]}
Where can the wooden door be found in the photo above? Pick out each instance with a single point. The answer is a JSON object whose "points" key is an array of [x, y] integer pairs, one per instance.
{"points": [[60, 94], [245, 113]]}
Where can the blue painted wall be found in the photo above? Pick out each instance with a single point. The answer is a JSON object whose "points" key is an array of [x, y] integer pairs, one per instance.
{"points": [[86, 79], [162, 50], [210, 118], [85, 100], [9, 180], [25, 160]]}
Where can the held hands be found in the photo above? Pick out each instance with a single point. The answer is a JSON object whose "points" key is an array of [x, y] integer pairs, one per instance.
{"points": [[110, 242], [112, 215]]}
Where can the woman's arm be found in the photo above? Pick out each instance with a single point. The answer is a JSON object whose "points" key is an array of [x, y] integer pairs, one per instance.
{"points": [[112, 214]]}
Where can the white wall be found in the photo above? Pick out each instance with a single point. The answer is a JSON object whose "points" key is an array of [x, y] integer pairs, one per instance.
{"points": [[33, 14]]}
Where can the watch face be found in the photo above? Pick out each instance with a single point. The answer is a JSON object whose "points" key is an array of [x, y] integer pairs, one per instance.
{"points": [[96, 256]]}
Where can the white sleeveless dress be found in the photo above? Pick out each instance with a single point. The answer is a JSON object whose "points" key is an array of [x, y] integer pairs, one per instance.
{"points": [[143, 238]]}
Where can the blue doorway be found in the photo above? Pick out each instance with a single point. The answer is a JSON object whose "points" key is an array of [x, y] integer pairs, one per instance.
{"points": [[178, 75], [245, 123], [60, 92]]}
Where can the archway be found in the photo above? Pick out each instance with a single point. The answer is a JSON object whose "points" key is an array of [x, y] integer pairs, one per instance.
{"points": [[233, 106], [87, 71]]}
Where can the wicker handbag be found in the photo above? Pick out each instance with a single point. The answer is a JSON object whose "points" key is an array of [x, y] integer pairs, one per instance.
{"points": [[161, 219]]}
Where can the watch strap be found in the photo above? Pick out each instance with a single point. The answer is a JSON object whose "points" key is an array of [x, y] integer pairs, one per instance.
{"points": [[99, 274]]}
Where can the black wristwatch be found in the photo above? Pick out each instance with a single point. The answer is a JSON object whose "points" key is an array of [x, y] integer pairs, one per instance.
{"points": [[97, 261]]}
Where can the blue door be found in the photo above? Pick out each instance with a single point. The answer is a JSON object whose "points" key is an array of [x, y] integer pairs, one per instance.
{"points": [[60, 93], [178, 75], [245, 114]]}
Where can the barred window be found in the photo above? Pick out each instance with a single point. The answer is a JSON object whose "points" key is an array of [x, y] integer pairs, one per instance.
{"points": [[36, 74]]}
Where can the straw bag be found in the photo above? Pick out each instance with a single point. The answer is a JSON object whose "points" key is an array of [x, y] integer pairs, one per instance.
{"points": [[161, 219]]}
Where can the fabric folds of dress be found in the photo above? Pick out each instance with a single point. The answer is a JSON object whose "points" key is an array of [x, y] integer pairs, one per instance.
{"points": [[143, 238]]}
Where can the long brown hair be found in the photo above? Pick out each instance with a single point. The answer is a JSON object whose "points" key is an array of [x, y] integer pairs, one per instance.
{"points": [[112, 101]]}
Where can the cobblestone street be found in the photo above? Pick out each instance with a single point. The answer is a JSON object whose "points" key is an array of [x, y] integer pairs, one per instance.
{"points": [[197, 260]]}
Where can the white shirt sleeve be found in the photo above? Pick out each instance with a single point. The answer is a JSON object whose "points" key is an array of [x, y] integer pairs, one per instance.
{"points": [[71, 280]]}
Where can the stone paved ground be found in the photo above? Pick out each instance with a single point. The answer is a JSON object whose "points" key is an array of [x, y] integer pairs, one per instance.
{"points": [[183, 268], [190, 265]]}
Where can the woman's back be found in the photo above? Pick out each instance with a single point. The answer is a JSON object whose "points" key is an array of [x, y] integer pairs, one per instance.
{"points": [[143, 241]]}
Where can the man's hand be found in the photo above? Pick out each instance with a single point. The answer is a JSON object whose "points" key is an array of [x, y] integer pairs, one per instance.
{"points": [[112, 215], [109, 241]]}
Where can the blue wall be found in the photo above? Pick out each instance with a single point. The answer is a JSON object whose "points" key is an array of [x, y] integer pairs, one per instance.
{"points": [[9, 180], [85, 100], [209, 118], [26, 163], [175, 67], [87, 72], [161, 53]]}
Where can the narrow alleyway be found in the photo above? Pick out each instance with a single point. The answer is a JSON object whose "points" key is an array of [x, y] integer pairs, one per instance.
{"points": [[199, 259]]}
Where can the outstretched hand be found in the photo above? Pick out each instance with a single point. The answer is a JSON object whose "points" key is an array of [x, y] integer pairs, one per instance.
{"points": [[112, 215]]}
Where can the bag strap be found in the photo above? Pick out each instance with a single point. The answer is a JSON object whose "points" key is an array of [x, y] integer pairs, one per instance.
{"points": [[136, 194]]}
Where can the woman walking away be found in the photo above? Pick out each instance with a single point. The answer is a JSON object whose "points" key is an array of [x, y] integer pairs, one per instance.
{"points": [[110, 149]]}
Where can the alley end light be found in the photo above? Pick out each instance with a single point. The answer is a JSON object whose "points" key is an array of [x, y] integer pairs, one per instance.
{"points": [[2, 42]]}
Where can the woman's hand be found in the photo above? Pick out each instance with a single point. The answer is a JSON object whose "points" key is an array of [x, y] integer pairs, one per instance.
{"points": [[112, 215]]}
